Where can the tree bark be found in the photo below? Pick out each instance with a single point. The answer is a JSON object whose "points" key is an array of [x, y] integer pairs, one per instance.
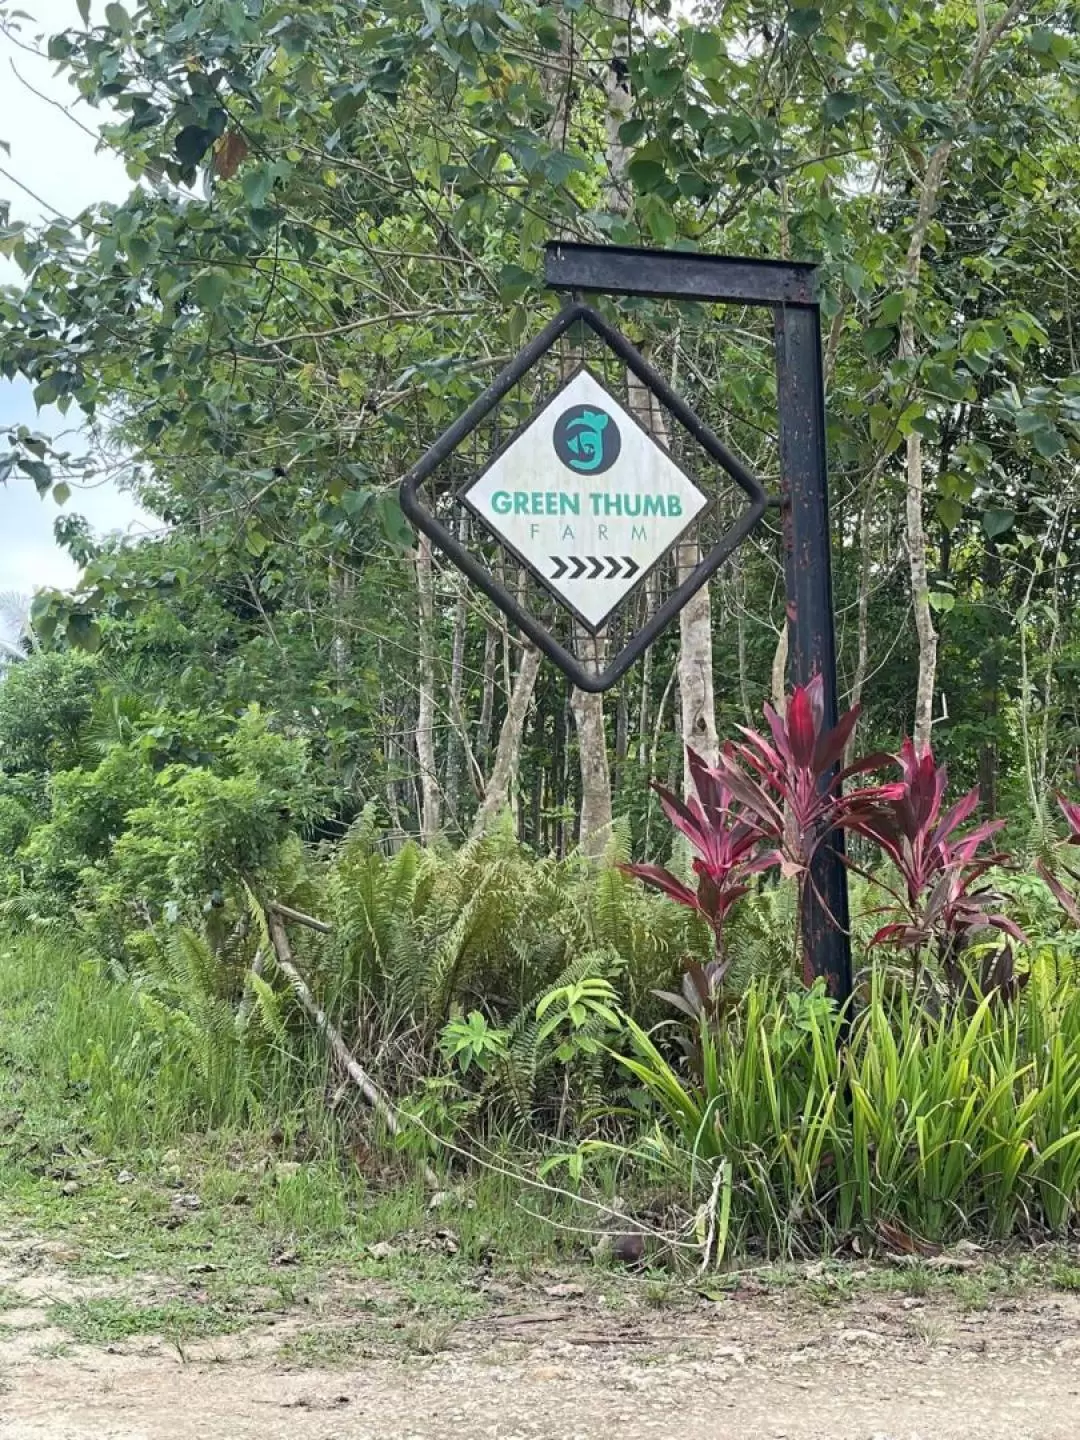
{"points": [[594, 825], [430, 797], [929, 193], [862, 658], [487, 702], [508, 751], [779, 669], [458, 744]]}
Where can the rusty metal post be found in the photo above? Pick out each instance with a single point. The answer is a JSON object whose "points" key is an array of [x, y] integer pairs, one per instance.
{"points": [[808, 566]]}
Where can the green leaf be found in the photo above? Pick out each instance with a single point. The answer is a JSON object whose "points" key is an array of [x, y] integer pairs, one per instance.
{"points": [[950, 512], [514, 282], [117, 18], [83, 633], [996, 522], [839, 105], [891, 308], [192, 143], [61, 492], [804, 22], [256, 543], [210, 287], [257, 184], [706, 47], [1049, 441], [878, 338], [646, 175], [84, 11], [355, 502], [941, 601], [631, 131]]}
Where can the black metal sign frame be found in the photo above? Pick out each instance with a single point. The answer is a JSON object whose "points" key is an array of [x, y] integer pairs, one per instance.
{"points": [[429, 524], [790, 291]]}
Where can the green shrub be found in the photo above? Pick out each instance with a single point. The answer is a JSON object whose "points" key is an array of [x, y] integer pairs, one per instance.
{"points": [[968, 1123]]}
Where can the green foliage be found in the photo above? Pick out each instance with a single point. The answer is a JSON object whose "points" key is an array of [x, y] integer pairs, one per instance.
{"points": [[965, 1123]]}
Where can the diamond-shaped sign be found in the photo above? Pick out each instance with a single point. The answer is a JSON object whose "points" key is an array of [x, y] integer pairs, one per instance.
{"points": [[586, 498]]}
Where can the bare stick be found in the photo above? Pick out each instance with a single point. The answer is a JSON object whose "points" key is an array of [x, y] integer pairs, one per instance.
{"points": [[287, 913], [356, 1072]]}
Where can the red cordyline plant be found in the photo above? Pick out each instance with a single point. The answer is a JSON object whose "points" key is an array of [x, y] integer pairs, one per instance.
{"points": [[773, 800], [767, 802], [942, 904], [1065, 898], [727, 850]]}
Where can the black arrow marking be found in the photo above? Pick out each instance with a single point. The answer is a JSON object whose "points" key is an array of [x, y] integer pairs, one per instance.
{"points": [[575, 566]]}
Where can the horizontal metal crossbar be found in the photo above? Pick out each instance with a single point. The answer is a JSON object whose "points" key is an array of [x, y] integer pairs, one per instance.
{"points": [[678, 274]]}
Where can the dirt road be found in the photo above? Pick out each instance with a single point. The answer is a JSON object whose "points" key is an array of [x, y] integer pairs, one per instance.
{"points": [[562, 1366]]}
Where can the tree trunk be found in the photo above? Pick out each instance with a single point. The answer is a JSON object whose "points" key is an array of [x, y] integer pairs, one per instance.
{"points": [[430, 797], [487, 702], [779, 669], [508, 751], [594, 825], [862, 659], [457, 755], [697, 699], [929, 192]]}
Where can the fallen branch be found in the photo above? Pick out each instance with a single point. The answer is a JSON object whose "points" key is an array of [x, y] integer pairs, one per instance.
{"points": [[356, 1072], [288, 913]]}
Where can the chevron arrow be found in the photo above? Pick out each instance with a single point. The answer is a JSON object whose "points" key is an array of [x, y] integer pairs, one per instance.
{"points": [[592, 567]]}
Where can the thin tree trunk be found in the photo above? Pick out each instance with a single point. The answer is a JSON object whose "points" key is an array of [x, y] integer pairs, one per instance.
{"points": [[508, 751], [862, 659], [340, 1051], [779, 669], [458, 742], [696, 695], [425, 723], [622, 732], [740, 637], [341, 586], [929, 193], [594, 825], [487, 701]]}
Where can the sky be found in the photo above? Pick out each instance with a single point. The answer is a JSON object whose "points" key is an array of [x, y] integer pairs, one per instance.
{"points": [[57, 160]]}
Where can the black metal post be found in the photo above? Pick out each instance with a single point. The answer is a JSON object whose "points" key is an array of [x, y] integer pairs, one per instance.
{"points": [[808, 564]]}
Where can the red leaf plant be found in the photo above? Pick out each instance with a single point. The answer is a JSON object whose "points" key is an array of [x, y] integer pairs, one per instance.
{"points": [[728, 850], [942, 905], [766, 803], [791, 787], [1065, 898]]}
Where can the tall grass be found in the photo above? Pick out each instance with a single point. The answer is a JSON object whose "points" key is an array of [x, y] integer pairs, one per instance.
{"points": [[968, 1123], [138, 1072]]}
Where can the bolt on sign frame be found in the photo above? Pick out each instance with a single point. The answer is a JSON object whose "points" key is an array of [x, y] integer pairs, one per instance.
{"points": [[790, 291]]}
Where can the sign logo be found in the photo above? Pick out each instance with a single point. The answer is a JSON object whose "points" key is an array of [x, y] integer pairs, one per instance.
{"points": [[587, 440]]}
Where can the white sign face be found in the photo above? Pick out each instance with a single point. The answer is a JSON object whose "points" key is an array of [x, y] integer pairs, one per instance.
{"points": [[586, 498]]}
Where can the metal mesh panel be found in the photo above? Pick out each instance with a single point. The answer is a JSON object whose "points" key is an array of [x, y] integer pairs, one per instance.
{"points": [[442, 487]]}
